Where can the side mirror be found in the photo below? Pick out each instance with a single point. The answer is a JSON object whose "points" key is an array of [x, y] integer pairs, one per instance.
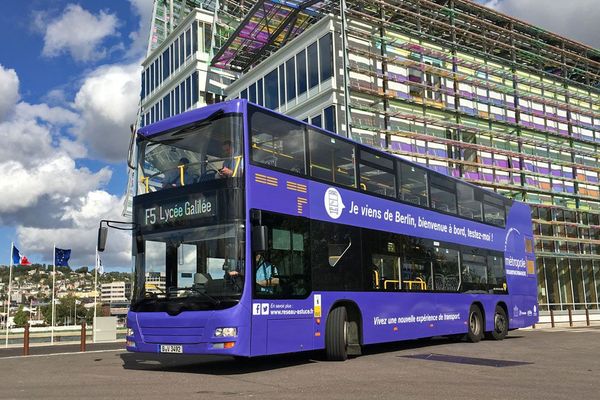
{"points": [[259, 238], [102, 234]]}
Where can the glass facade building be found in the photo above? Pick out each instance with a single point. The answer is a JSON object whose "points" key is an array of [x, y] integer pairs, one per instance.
{"points": [[449, 84]]}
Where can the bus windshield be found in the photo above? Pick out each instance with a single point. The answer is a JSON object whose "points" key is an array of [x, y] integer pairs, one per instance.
{"points": [[203, 151], [198, 268]]}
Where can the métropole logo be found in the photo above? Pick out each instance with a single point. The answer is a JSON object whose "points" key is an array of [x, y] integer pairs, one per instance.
{"points": [[333, 203]]}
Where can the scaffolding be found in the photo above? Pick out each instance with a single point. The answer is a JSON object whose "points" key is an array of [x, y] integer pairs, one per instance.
{"points": [[497, 102]]}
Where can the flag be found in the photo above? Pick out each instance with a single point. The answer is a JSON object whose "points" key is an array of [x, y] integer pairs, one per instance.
{"points": [[19, 259], [16, 256], [99, 265], [61, 257]]}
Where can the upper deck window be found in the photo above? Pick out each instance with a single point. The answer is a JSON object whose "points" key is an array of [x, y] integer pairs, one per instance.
{"points": [[377, 174], [469, 205], [413, 187], [443, 193], [494, 211], [331, 159], [277, 142]]}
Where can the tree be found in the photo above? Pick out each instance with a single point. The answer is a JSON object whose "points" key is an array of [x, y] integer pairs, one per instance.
{"points": [[21, 317], [89, 316], [82, 270]]}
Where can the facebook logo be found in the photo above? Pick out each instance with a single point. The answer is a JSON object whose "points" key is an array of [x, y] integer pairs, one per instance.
{"points": [[260, 309]]}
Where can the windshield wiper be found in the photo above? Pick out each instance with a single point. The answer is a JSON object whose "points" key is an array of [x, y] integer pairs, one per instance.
{"points": [[197, 290]]}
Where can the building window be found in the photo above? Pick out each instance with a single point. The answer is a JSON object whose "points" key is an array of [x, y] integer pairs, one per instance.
{"points": [[166, 106], [194, 37], [316, 121], [271, 90], [188, 93], [195, 88], [143, 90], [313, 66], [252, 93], [176, 55], [301, 72], [181, 50], [260, 94], [326, 57], [188, 43], [166, 65], [290, 78], [281, 85], [329, 114]]}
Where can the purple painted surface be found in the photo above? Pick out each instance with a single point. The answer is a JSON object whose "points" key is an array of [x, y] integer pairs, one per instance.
{"points": [[281, 326]]}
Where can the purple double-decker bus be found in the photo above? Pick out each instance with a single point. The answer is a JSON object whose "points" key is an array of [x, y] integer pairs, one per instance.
{"points": [[259, 234]]}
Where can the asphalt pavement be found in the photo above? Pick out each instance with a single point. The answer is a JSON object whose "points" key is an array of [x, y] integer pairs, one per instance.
{"points": [[529, 364]]}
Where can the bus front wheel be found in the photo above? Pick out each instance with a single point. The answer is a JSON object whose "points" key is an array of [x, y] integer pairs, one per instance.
{"points": [[475, 324], [336, 335]]}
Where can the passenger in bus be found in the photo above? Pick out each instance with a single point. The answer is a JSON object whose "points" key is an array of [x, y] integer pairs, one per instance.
{"points": [[266, 275], [172, 177], [232, 165]]}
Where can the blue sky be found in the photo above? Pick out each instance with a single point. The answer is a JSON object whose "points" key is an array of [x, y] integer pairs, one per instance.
{"points": [[69, 78]]}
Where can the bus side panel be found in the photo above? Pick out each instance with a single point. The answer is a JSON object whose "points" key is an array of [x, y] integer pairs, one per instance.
{"points": [[282, 326]]}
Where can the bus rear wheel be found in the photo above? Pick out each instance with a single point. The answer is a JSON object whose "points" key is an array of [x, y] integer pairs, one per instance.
{"points": [[475, 324], [336, 335], [500, 325]]}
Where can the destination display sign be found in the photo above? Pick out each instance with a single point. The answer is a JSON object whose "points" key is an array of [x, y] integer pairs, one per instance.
{"points": [[176, 211]]}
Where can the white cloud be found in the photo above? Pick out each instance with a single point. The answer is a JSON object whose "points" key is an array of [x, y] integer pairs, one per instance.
{"points": [[83, 216], [9, 87], [139, 38], [44, 193], [574, 19], [55, 179], [80, 33], [108, 101]]}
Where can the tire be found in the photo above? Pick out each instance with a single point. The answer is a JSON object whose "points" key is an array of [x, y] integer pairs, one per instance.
{"points": [[500, 325], [475, 324], [336, 335]]}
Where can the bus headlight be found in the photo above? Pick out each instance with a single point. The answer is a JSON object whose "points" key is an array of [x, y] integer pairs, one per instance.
{"points": [[130, 332], [225, 332]]}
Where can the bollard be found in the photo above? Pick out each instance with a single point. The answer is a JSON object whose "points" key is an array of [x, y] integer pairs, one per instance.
{"points": [[552, 317], [82, 345], [587, 316], [570, 317], [26, 340]]}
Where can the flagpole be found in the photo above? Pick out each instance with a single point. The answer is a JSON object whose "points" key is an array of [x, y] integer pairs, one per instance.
{"points": [[95, 296], [53, 284], [12, 246]]}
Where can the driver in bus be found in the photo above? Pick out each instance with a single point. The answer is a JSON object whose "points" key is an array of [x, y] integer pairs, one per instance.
{"points": [[266, 274], [172, 177]]}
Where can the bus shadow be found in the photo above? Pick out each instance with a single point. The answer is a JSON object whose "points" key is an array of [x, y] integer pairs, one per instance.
{"points": [[417, 344], [212, 365], [226, 365]]}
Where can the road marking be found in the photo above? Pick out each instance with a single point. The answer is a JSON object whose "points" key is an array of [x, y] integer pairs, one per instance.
{"points": [[63, 354]]}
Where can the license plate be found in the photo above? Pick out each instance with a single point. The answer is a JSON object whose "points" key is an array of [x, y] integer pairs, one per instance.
{"points": [[171, 348]]}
